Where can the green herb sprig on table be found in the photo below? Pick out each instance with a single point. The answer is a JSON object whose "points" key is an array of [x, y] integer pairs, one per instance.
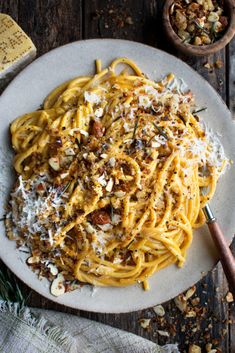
{"points": [[9, 288], [161, 131]]}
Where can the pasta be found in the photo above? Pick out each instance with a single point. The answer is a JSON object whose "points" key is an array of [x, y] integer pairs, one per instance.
{"points": [[110, 177]]}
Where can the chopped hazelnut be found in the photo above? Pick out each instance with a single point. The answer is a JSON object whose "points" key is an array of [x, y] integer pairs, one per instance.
{"points": [[194, 349], [206, 39], [219, 64], [229, 297], [197, 41], [207, 66], [145, 323]]}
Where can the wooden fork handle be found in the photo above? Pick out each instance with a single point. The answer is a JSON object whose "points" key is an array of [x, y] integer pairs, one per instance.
{"points": [[226, 256]]}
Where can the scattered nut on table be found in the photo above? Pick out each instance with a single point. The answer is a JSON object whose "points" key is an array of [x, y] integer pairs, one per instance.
{"points": [[145, 323], [159, 310]]}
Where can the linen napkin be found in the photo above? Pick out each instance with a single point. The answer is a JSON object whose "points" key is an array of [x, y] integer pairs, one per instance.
{"points": [[24, 330]]}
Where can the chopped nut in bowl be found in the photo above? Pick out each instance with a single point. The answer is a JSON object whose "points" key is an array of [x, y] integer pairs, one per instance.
{"points": [[199, 27]]}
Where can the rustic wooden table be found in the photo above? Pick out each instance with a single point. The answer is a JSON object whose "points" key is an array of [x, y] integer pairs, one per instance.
{"points": [[51, 23]]}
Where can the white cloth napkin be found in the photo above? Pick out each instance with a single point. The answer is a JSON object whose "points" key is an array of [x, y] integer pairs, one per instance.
{"points": [[42, 331]]}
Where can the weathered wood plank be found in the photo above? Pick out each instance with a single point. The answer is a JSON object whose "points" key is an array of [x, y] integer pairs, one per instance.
{"points": [[132, 20], [51, 23], [231, 76], [10, 7]]}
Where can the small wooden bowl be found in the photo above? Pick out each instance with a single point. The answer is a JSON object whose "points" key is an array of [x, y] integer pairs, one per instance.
{"points": [[194, 50]]}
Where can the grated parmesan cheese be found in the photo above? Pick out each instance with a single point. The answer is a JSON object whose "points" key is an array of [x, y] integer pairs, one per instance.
{"points": [[33, 211], [160, 139], [99, 112], [217, 154], [116, 219], [126, 127], [144, 101], [131, 113], [209, 151], [91, 97], [101, 239], [105, 227], [50, 236], [155, 144], [112, 161], [151, 90]]}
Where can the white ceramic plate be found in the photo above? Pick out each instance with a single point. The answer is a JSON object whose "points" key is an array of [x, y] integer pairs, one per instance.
{"points": [[27, 92]]}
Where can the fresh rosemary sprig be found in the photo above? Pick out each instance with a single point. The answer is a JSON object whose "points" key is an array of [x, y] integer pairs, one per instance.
{"points": [[200, 27], [135, 128], [133, 143], [128, 247], [78, 142], [118, 118], [199, 110], [161, 132], [9, 289], [64, 189]]}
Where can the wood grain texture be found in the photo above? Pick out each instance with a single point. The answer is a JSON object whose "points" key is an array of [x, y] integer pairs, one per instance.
{"points": [[10, 8], [51, 23], [230, 79]]}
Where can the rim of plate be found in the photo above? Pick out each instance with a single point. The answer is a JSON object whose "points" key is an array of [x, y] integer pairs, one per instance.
{"points": [[111, 40]]}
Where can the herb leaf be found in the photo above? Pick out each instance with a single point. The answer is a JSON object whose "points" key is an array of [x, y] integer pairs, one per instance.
{"points": [[9, 289], [199, 110], [135, 128], [64, 189], [200, 27], [161, 131]]}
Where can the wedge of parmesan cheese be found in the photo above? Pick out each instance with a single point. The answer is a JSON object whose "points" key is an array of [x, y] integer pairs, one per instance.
{"points": [[16, 49]]}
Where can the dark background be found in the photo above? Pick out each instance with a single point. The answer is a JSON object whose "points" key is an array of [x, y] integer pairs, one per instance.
{"points": [[52, 23]]}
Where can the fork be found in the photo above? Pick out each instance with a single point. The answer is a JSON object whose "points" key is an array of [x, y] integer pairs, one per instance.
{"points": [[225, 254]]}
